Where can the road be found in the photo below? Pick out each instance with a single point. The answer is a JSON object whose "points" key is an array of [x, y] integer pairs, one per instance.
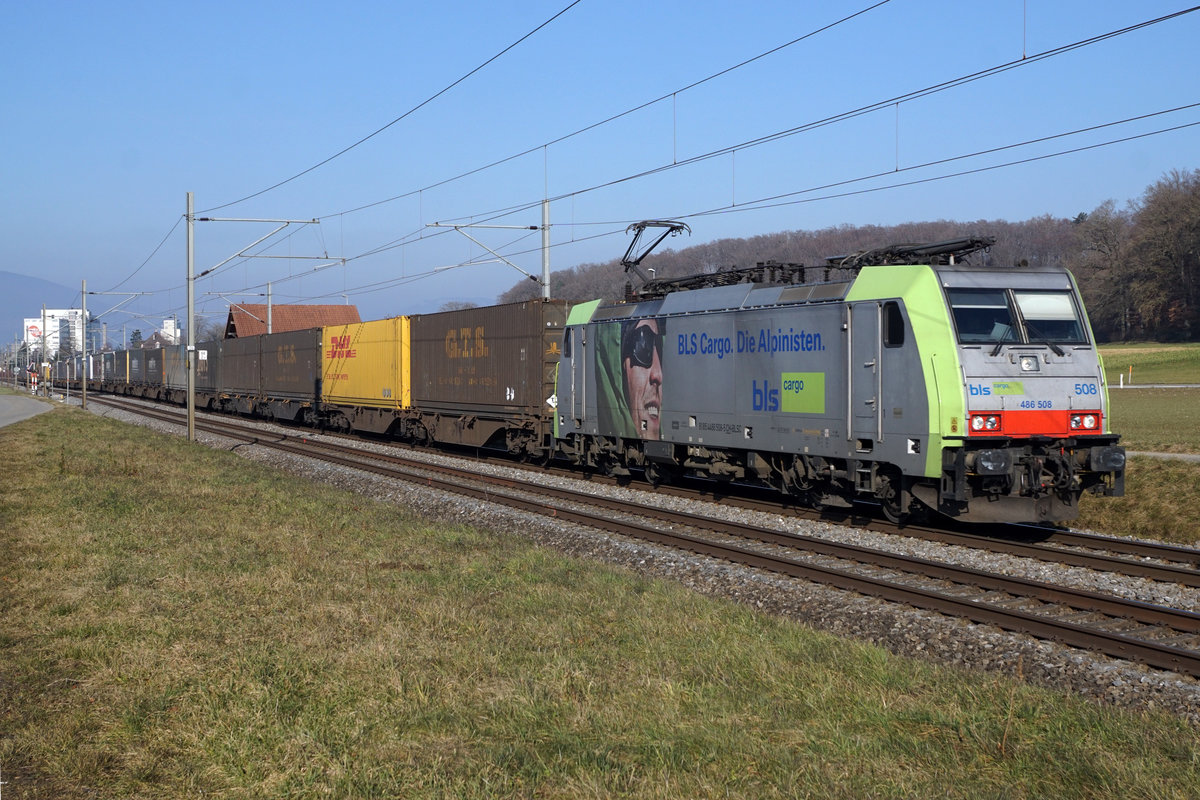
{"points": [[16, 407]]}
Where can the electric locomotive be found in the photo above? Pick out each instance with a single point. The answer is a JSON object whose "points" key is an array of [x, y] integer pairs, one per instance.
{"points": [[915, 379]]}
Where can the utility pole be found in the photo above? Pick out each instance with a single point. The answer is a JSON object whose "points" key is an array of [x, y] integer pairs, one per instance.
{"points": [[545, 228], [546, 249], [42, 355], [83, 379], [192, 219], [191, 324]]}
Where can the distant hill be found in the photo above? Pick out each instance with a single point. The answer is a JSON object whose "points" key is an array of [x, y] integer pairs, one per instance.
{"points": [[22, 296], [1138, 266], [1041, 240]]}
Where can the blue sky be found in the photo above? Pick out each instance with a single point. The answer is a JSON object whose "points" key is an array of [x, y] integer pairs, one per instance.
{"points": [[113, 111]]}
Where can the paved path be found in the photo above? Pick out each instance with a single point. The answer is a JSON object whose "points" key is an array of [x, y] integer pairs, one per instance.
{"points": [[1179, 456], [16, 407]]}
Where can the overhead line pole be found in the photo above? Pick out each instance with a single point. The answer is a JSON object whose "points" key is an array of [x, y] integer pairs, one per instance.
{"points": [[546, 249], [192, 353], [544, 281], [190, 358], [83, 379]]}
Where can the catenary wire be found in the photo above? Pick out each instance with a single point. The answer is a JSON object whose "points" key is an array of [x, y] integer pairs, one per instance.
{"points": [[750, 205], [408, 113], [612, 118]]}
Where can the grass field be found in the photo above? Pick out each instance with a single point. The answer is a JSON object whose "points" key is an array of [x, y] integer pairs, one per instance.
{"points": [[1150, 362], [180, 623], [1162, 497], [1158, 420]]}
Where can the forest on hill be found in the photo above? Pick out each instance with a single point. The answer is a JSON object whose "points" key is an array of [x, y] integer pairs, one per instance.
{"points": [[1138, 266]]}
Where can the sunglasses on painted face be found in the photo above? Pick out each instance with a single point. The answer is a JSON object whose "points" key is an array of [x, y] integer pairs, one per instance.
{"points": [[640, 346]]}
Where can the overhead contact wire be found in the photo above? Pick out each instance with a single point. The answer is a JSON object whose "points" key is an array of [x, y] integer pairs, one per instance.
{"points": [[406, 114]]}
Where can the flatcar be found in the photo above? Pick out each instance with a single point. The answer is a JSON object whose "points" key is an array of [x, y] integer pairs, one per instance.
{"points": [[911, 378]]}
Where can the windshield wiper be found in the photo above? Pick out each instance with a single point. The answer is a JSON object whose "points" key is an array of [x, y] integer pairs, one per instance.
{"points": [[1041, 339], [1000, 343], [1058, 351]]}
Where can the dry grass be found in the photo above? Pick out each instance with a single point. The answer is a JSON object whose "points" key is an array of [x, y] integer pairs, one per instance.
{"points": [[1161, 502], [178, 622]]}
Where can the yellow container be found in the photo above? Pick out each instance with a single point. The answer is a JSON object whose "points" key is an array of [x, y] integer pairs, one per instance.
{"points": [[366, 364]]}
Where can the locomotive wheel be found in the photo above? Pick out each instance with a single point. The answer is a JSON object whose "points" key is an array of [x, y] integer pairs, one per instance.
{"points": [[655, 474], [889, 498]]}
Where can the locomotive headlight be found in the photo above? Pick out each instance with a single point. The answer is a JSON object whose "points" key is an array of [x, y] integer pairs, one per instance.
{"points": [[1029, 364], [1084, 421], [985, 422], [1089, 421]]}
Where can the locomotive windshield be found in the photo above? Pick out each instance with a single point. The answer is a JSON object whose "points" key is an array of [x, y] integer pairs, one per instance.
{"points": [[1050, 317], [982, 315], [997, 316]]}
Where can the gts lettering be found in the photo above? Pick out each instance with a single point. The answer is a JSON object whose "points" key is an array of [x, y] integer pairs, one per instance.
{"points": [[285, 354], [466, 343]]}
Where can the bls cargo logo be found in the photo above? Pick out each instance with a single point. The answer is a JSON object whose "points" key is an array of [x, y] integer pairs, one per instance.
{"points": [[1000, 387], [797, 393], [766, 398]]}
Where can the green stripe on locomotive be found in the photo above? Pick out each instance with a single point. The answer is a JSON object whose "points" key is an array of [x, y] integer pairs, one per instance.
{"points": [[579, 314], [917, 286]]}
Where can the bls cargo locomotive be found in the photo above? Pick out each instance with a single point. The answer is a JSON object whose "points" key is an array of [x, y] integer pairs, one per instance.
{"points": [[919, 381], [904, 375]]}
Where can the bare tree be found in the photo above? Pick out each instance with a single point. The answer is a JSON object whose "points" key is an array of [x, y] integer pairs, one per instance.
{"points": [[1105, 271], [1167, 248], [210, 329], [457, 305]]}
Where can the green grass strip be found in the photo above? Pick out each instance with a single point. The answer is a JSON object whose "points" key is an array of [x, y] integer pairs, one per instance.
{"points": [[178, 622]]}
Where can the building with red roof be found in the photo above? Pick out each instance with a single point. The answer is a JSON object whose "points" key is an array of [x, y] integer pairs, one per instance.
{"points": [[250, 319]]}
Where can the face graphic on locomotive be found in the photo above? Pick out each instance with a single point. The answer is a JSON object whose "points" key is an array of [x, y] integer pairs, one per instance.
{"points": [[641, 364]]}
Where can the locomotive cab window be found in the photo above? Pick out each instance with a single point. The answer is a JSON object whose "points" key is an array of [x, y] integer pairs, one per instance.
{"points": [[893, 325], [567, 343], [982, 316], [1050, 317]]}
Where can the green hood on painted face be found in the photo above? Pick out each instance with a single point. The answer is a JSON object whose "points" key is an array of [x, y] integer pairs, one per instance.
{"points": [[614, 417]]}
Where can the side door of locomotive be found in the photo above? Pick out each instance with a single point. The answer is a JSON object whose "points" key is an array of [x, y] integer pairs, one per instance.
{"points": [[572, 386], [864, 372]]}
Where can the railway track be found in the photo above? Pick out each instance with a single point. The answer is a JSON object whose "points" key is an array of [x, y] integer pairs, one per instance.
{"points": [[1158, 636]]}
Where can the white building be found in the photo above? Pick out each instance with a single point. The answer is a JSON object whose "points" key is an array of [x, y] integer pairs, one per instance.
{"points": [[63, 325], [170, 331]]}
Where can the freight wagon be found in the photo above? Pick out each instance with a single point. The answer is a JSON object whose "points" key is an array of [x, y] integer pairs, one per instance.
{"points": [[274, 376], [365, 384], [485, 376]]}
